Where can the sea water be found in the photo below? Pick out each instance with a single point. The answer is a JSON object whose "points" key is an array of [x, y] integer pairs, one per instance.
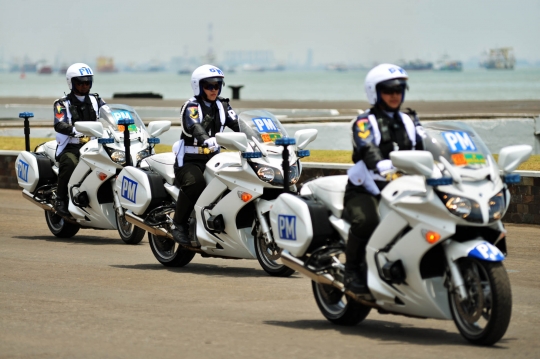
{"points": [[467, 85]]}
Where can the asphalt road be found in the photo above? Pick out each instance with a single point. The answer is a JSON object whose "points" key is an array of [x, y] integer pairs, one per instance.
{"points": [[94, 297]]}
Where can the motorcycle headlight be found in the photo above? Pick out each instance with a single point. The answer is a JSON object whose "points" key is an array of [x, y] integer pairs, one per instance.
{"points": [[267, 174], [273, 175], [462, 207], [118, 157], [143, 154], [497, 207]]}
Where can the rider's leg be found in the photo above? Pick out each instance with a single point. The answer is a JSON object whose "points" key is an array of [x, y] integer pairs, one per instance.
{"points": [[362, 211], [191, 181], [67, 161]]}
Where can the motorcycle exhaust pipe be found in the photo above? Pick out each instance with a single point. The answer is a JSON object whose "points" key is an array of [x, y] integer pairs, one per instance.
{"points": [[296, 264], [139, 222], [29, 196]]}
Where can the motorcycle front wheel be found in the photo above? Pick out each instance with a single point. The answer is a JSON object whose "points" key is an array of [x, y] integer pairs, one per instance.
{"points": [[59, 226], [484, 316], [266, 254], [168, 252], [337, 307], [130, 233]]}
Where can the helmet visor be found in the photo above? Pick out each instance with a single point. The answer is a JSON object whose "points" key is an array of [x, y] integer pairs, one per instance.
{"points": [[392, 86], [212, 83], [86, 80]]}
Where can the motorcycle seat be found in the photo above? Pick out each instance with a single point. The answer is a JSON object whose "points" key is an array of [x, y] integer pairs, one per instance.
{"points": [[330, 190], [163, 164]]}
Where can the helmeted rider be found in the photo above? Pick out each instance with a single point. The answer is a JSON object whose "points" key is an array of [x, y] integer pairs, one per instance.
{"points": [[203, 115], [376, 133], [78, 105]]}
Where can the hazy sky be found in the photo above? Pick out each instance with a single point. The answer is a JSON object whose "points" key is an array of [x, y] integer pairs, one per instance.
{"points": [[349, 31]]}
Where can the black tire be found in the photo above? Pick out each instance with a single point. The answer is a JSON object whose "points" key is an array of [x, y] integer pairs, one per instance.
{"points": [[483, 318], [337, 307], [270, 266], [168, 252], [130, 233], [60, 227]]}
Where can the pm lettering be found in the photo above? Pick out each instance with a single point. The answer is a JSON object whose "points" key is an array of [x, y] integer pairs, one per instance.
{"points": [[265, 125], [287, 227], [459, 141], [84, 71], [122, 115], [129, 189], [215, 69], [22, 170]]}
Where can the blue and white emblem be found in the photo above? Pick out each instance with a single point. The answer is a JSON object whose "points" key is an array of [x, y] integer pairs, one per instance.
{"points": [[459, 141], [129, 189], [487, 252], [287, 227], [22, 170], [122, 115], [265, 125]]}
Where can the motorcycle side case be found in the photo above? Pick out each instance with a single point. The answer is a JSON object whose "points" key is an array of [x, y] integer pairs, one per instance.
{"points": [[300, 224], [34, 170], [140, 190]]}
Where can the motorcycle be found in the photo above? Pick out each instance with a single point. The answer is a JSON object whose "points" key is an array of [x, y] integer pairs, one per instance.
{"points": [[438, 249], [230, 218], [118, 138]]}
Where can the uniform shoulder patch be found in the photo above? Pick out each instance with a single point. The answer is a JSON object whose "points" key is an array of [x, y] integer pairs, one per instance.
{"points": [[193, 112], [363, 127]]}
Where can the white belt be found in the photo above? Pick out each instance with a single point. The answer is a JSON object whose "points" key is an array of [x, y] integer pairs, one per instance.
{"points": [[196, 150]]}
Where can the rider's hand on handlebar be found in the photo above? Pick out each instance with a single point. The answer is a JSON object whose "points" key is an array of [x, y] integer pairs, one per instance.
{"points": [[384, 166], [77, 134], [212, 144]]}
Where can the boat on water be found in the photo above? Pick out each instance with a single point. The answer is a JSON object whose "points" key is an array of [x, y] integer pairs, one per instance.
{"points": [[447, 64], [499, 59], [416, 65], [105, 64]]}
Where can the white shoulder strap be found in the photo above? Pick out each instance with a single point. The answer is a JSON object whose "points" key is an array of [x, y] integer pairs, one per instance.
{"points": [[409, 127], [375, 126]]}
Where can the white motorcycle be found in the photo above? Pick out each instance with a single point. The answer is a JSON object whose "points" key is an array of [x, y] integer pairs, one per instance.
{"points": [[230, 218], [439, 247], [118, 138]]}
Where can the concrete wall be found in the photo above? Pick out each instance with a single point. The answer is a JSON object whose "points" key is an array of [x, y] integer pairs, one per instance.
{"points": [[524, 206]]}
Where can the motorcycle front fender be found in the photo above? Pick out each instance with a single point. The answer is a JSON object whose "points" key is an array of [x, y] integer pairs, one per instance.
{"points": [[476, 248]]}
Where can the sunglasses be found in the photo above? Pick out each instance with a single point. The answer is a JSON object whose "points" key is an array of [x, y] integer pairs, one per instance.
{"points": [[209, 86], [392, 90], [80, 83]]}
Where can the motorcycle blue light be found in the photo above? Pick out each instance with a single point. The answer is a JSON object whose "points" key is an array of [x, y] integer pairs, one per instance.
{"points": [[285, 141], [303, 153], [443, 181], [126, 121], [26, 114], [153, 140], [252, 154], [512, 178], [105, 140]]}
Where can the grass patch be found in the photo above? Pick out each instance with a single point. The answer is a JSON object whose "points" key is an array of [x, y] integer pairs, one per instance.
{"points": [[17, 144]]}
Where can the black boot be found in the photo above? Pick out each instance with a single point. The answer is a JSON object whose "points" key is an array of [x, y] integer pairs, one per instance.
{"points": [[180, 234], [355, 281], [355, 267], [60, 205]]}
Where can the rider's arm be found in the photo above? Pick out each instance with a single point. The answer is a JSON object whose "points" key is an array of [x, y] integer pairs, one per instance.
{"points": [[231, 119], [192, 123], [364, 148], [61, 124]]}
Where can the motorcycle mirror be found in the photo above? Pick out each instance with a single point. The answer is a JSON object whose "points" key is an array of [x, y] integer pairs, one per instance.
{"points": [[512, 156], [304, 137], [413, 162], [232, 140], [90, 128], [156, 128]]}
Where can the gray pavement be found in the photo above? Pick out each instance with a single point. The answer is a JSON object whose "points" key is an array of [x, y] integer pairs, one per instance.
{"points": [[92, 296]]}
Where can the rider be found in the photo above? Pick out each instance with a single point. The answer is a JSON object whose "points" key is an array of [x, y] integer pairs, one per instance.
{"points": [[202, 117], [377, 132], [78, 105]]}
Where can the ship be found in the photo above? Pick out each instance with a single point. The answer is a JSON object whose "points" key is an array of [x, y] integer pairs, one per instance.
{"points": [[416, 65], [500, 59], [447, 64], [105, 64]]}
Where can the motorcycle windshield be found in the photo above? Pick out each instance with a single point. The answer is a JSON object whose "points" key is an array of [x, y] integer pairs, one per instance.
{"points": [[109, 115], [261, 125], [457, 142]]}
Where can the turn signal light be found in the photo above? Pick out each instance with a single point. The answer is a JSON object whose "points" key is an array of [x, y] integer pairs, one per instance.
{"points": [[432, 237], [244, 196], [102, 176]]}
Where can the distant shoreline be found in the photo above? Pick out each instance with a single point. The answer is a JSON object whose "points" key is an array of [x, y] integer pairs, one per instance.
{"points": [[344, 107]]}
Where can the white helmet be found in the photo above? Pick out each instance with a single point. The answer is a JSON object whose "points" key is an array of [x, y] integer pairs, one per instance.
{"points": [[383, 73], [205, 72], [81, 71]]}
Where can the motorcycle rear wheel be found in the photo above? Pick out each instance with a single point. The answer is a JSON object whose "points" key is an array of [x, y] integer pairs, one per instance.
{"points": [[59, 226], [484, 317], [129, 233], [337, 307], [168, 252]]}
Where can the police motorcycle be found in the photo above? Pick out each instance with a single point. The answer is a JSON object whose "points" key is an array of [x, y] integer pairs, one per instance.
{"points": [[119, 137], [438, 250], [230, 218]]}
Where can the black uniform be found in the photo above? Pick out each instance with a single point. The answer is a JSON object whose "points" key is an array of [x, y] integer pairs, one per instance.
{"points": [[196, 128]]}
